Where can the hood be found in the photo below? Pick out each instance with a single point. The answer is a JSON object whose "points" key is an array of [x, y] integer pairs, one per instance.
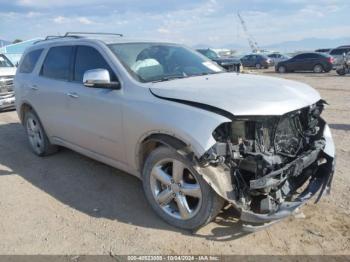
{"points": [[7, 71], [240, 94]]}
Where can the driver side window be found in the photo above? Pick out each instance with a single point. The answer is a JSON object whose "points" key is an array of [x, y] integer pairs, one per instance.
{"points": [[88, 58]]}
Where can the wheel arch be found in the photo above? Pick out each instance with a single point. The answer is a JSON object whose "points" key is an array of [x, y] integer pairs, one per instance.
{"points": [[23, 108], [219, 179], [154, 140]]}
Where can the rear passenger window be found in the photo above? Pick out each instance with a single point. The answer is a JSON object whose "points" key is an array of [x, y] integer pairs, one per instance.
{"points": [[88, 58], [57, 63], [29, 61]]}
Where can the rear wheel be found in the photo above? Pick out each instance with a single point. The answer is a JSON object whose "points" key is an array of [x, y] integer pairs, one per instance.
{"points": [[318, 68], [258, 66], [176, 192], [37, 138]]}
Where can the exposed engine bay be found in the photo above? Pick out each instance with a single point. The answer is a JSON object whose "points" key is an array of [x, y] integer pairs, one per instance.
{"points": [[270, 158]]}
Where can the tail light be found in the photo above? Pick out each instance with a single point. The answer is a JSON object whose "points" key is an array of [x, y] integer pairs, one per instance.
{"points": [[331, 60]]}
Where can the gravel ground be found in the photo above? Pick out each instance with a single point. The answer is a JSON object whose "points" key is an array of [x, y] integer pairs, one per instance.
{"points": [[70, 204]]}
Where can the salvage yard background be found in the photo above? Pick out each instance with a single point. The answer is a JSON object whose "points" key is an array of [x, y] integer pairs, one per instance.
{"points": [[69, 204]]}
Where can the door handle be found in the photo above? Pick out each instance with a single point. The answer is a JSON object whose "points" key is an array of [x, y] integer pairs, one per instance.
{"points": [[34, 87], [73, 95]]}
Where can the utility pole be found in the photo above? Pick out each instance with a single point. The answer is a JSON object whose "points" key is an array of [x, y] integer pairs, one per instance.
{"points": [[252, 43]]}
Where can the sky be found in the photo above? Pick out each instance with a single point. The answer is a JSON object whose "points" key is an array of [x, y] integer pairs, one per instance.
{"points": [[192, 22]]}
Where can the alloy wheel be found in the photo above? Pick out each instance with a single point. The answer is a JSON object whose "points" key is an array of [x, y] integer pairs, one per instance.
{"points": [[35, 135], [175, 189]]}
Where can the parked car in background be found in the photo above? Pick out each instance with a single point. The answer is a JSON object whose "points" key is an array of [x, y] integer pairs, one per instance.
{"points": [[316, 62], [7, 73], [256, 60], [338, 54], [345, 67], [196, 135], [277, 57], [323, 50], [229, 63]]}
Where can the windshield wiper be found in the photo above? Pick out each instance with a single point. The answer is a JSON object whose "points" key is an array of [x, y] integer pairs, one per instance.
{"points": [[167, 78]]}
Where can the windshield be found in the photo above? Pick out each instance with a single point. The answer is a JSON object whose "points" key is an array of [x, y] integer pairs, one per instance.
{"points": [[4, 62], [152, 62], [209, 53]]}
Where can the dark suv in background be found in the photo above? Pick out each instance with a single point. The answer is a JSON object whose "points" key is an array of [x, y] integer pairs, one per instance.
{"points": [[229, 63], [256, 60], [316, 62]]}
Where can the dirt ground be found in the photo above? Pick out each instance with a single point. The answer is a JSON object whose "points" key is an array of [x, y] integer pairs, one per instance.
{"points": [[70, 204]]}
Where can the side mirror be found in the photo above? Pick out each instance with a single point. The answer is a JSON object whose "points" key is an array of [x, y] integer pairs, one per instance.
{"points": [[99, 78]]}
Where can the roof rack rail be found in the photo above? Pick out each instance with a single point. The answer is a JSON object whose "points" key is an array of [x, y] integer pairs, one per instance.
{"points": [[75, 35], [50, 37], [90, 33]]}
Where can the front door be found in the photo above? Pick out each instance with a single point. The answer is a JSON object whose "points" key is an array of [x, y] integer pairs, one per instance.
{"points": [[95, 114]]}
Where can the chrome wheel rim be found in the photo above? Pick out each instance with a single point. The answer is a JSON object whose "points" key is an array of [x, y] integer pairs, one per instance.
{"points": [[35, 135], [175, 189], [281, 69], [318, 69]]}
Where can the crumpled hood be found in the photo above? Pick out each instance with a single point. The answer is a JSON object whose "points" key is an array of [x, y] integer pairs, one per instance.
{"points": [[7, 71], [240, 94]]}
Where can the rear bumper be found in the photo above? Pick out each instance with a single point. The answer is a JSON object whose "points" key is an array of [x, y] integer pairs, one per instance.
{"points": [[319, 182]]}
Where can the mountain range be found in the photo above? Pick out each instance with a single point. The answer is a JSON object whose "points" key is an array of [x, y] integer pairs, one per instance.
{"points": [[4, 42], [306, 44]]}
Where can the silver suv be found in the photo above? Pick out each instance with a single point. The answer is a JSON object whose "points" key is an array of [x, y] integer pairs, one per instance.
{"points": [[197, 136]]}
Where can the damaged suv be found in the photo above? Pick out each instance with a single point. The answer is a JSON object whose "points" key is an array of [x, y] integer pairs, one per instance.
{"points": [[199, 137]]}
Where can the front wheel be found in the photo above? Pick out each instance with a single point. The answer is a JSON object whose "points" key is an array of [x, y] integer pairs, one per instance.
{"points": [[258, 66], [318, 69], [282, 69], [176, 192]]}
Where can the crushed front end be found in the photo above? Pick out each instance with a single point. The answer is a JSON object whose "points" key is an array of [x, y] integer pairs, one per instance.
{"points": [[268, 166]]}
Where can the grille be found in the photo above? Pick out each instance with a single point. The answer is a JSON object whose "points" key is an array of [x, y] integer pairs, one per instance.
{"points": [[6, 85]]}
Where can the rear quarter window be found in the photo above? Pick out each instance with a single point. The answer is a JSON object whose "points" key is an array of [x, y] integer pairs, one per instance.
{"points": [[29, 61]]}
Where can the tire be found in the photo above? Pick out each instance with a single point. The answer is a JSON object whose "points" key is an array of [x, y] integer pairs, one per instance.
{"points": [[318, 69], [281, 69], [340, 71], [258, 66], [176, 189], [37, 138]]}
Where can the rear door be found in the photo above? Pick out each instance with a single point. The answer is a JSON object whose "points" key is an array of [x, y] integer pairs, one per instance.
{"points": [[307, 62], [49, 88]]}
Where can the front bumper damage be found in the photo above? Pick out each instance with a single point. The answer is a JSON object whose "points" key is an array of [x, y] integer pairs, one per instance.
{"points": [[309, 174], [319, 182]]}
